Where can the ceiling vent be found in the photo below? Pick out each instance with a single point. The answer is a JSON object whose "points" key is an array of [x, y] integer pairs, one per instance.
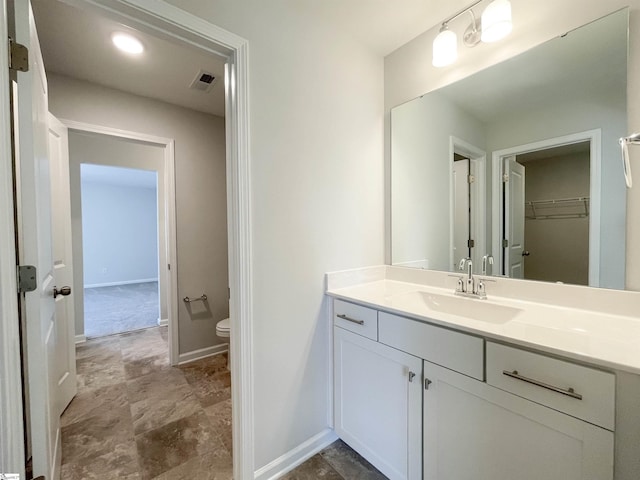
{"points": [[204, 81]]}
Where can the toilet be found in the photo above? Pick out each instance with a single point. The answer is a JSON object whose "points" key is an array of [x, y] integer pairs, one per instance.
{"points": [[223, 330]]}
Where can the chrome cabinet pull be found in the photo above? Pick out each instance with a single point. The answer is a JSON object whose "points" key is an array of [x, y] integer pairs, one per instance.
{"points": [[352, 320], [411, 376], [569, 392]]}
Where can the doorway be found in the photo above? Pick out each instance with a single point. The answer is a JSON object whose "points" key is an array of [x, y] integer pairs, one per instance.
{"points": [[175, 24], [119, 249], [547, 208], [468, 220]]}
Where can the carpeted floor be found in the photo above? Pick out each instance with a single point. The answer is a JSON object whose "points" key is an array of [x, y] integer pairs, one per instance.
{"points": [[121, 308]]}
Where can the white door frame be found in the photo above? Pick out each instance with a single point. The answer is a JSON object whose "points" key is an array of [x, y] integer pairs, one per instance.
{"points": [[172, 23], [594, 137], [12, 453], [479, 157], [169, 212]]}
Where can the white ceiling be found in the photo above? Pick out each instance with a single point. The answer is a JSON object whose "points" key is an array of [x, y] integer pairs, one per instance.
{"points": [[383, 25], [78, 44], [118, 176]]}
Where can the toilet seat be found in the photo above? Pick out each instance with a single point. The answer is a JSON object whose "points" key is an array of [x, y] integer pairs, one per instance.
{"points": [[223, 328]]}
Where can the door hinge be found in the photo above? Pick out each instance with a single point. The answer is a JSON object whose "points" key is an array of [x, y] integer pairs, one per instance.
{"points": [[471, 243], [18, 57], [27, 278], [505, 177], [471, 178], [505, 243]]}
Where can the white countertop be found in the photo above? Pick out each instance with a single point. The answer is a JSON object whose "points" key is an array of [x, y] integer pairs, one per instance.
{"points": [[602, 339]]}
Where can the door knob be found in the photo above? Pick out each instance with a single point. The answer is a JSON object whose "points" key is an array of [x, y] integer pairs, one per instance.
{"points": [[525, 253], [64, 291]]}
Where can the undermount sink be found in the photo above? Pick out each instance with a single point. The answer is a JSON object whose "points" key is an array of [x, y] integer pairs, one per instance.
{"points": [[471, 308]]}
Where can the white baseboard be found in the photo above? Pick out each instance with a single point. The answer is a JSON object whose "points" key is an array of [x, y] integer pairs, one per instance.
{"points": [[296, 456], [162, 322], [80, 339], [125, 282], [202, 353]]}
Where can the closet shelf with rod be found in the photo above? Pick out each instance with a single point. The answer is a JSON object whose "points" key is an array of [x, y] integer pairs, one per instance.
{"points": [[575, 207]]}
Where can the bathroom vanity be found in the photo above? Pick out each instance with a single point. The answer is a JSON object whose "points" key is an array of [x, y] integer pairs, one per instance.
{"points": [[433, 386]]}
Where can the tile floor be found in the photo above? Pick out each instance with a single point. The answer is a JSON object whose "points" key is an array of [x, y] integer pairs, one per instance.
{"points": [[120, 308], [136, 417]]}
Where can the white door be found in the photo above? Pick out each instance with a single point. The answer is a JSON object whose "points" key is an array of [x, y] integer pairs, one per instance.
{"points": [[473, 431], [378, 399], [35, 247], [514, 218], [65, 362], [461, 211]]}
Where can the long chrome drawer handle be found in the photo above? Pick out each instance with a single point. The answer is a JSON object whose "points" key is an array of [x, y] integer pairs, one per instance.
{"points": [[348, 319], [569, 393]]}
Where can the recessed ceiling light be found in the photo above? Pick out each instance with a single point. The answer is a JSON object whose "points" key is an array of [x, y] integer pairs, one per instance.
{"points": [[127, 43]]}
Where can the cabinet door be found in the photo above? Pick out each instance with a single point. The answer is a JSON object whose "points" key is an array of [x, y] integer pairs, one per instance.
{"points": [[473, 431], [378, 404]]}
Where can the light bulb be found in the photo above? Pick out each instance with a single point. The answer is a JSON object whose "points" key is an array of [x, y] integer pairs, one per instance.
{"points": [[496, 21], [127, 43], [445, 48]]}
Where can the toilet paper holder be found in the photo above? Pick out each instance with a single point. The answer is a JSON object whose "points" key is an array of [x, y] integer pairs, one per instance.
{"points": [[201, 298]]}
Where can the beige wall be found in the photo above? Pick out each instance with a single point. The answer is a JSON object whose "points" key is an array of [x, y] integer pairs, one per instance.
{"points": [[200, 190], [409, 74], [559, 247]]}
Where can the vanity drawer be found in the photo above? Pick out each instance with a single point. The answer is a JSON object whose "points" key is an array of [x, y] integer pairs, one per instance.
{"points": [[447, 348], [579, 391], [356, 318]]}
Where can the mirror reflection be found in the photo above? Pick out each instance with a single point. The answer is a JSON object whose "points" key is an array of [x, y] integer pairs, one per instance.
{"points": [[518, 167]]}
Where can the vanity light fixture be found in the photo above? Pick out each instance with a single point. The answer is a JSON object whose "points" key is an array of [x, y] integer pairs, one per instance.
{"points": [[127, 43], [494, 25]]}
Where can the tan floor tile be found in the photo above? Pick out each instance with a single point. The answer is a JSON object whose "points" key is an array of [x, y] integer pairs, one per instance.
{"points": [[97, 435], [120, 463], [349, 463], [314, 468], [155, 385], [155, 412], [210, 466], [165, 448], [137, 367], [220, 418], [92, 402], [100, 370], [98, 346]]}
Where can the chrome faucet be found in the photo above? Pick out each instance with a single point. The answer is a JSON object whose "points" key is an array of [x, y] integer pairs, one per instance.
{"points": [[469, 287], [487, 259]]}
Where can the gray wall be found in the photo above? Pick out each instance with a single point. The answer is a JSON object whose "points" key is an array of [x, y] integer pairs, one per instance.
{"points": [[200, 190], [119, 233], [559, 247]]}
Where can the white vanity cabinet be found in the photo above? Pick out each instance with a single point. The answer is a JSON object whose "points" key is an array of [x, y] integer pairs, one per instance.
{"points": [[421, 401], [378, 403], [473, 431]]}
